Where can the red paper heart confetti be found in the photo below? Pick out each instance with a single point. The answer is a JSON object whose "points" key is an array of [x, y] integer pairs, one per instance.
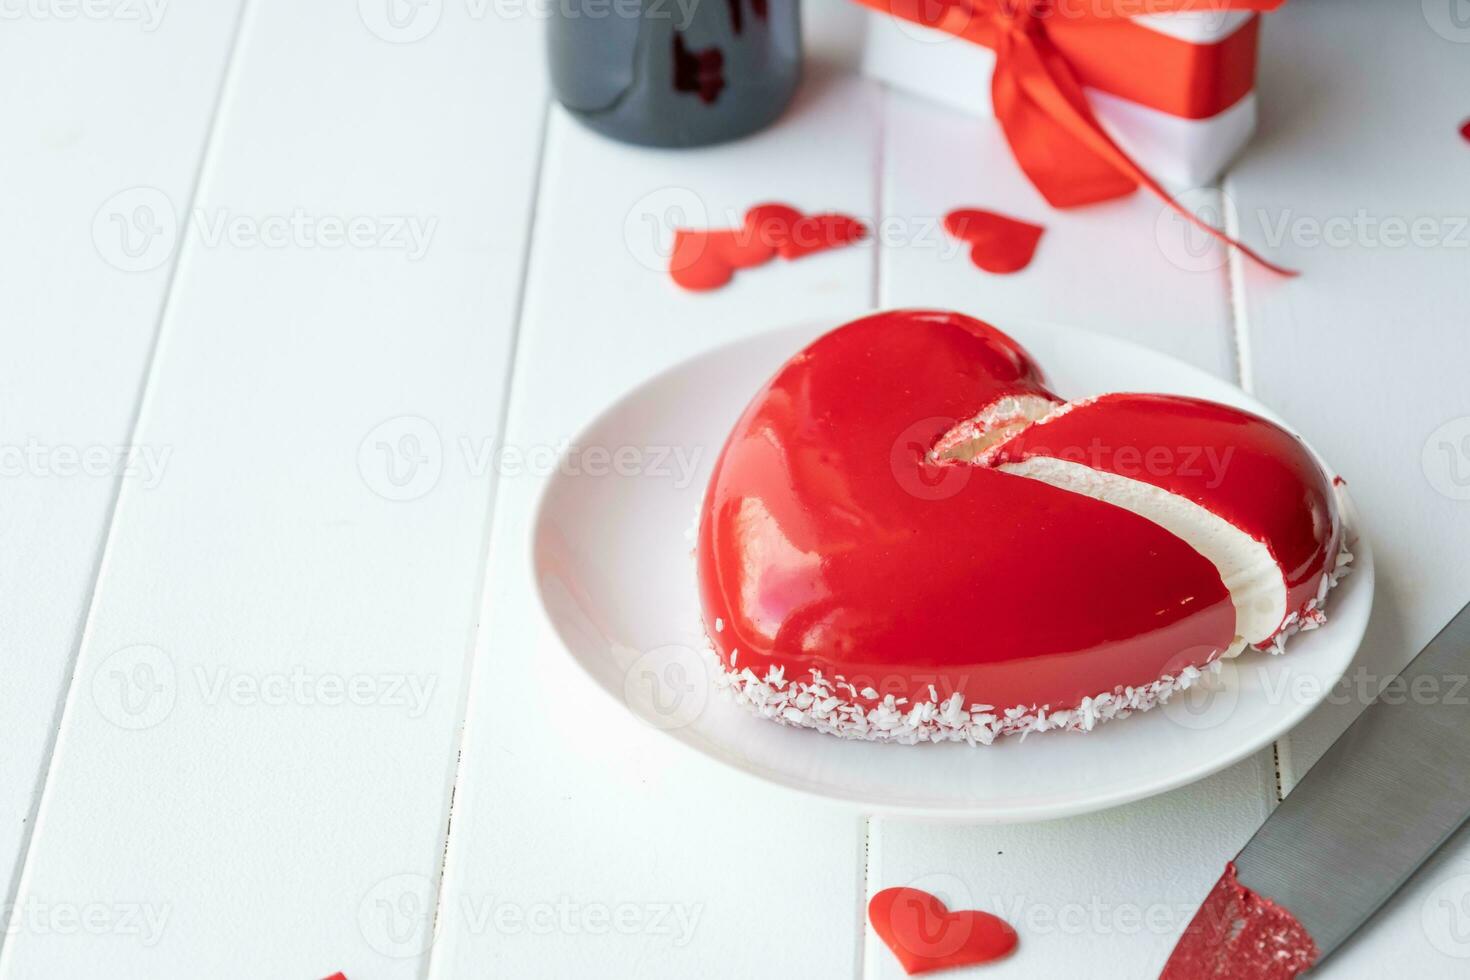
{"points": [[926, 936], [796, 235], [704, 260], [771, 223], [707, 259], [1465, 130], [997, 243]]}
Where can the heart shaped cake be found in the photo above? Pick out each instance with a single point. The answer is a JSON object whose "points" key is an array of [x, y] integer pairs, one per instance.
{"points": [[908, 537]]}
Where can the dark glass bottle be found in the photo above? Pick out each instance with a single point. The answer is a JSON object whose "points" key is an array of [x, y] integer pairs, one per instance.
{"points": [[675, 72]]}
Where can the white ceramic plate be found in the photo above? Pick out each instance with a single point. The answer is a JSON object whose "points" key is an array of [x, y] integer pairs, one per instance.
{"points": [[612, 562]]}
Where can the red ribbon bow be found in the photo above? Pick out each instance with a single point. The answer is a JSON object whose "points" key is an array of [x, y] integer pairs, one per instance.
{"points": [[1038, 99]]}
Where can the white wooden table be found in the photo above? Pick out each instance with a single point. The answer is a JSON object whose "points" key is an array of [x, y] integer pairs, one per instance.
{"points": [[277, 702]]}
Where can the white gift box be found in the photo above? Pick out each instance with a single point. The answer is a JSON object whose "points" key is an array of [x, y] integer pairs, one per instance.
{"points": [[1181, 153]]}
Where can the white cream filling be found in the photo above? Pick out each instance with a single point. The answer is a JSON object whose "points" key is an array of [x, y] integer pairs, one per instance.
{"points": [[997, 422], [1254, 580]]}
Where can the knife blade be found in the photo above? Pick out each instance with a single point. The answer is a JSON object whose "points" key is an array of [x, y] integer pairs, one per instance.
{"points": [[1381, 800]]}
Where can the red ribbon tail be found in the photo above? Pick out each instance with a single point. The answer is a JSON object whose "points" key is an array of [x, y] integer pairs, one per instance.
{"points": [[1041, 106], [1219, 235]]}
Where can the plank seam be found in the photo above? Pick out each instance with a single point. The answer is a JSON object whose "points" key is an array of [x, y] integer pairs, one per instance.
{"points": [[145, 387], [467, 687], [862, 930], [1245, 378], [880, 197], [1235, 285]]}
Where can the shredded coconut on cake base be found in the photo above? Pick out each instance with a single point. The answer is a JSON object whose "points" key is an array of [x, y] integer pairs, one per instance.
{"points": [[1312, 615], [833, 706]]}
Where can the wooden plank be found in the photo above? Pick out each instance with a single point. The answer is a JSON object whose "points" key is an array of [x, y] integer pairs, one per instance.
{"points": [[1104, 894], [1358, 179], [263, 726], [564, 797], [114, 115]]}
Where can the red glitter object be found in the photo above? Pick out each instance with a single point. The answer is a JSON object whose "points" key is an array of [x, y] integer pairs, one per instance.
{"points": [[997, 243], [926, 936], [1239, 935]]}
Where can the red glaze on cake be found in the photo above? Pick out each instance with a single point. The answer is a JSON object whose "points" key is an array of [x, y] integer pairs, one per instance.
{"points": [[853, 583], [1249, 471], [1240, 935]]}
